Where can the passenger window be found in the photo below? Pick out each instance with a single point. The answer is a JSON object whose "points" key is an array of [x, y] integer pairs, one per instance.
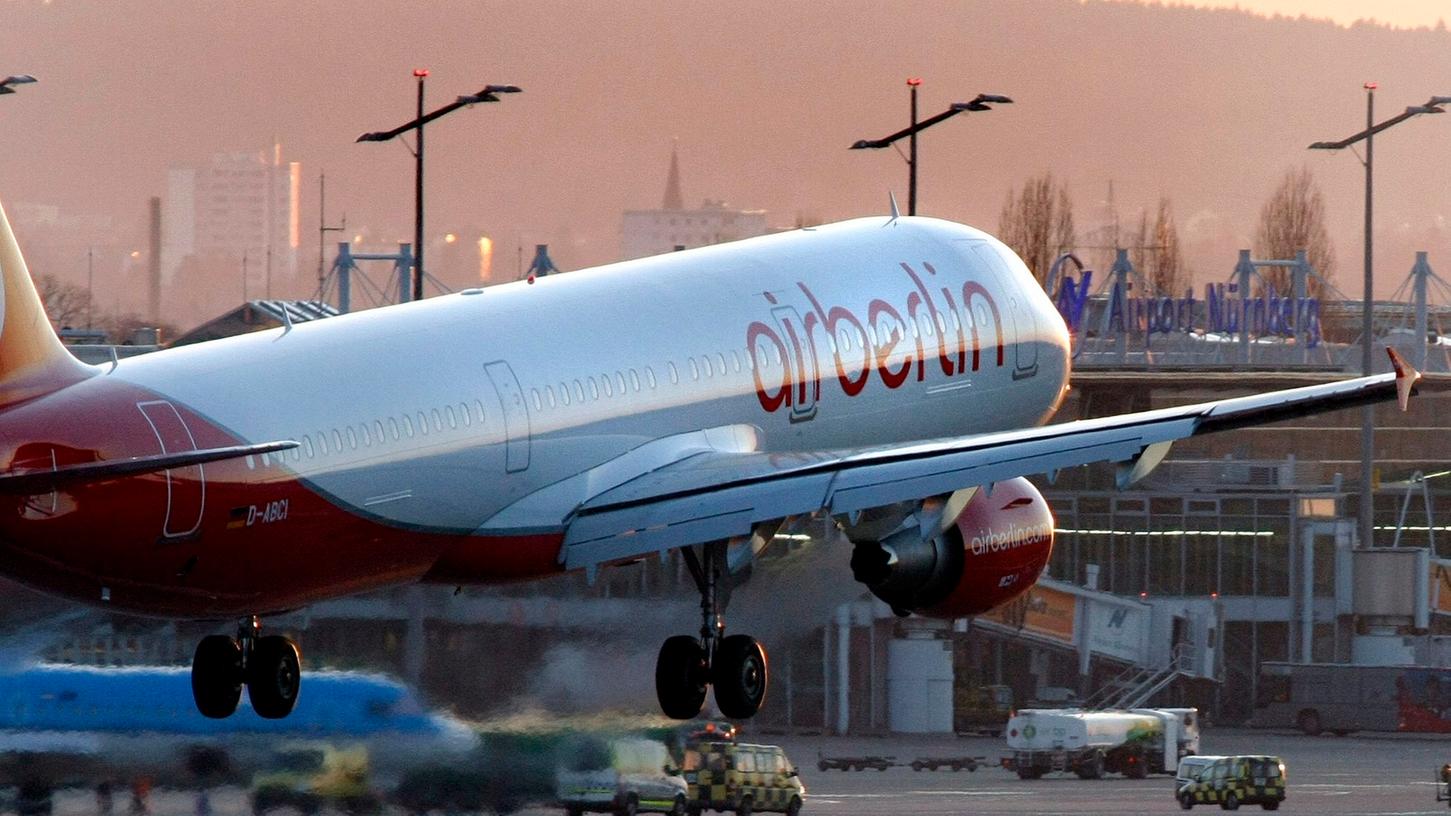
{"points": [[463, 414], [941, 326], [352, 439], [549, 396], [452, 419], [322, 443], [605, 385], [578, 391], [378, 429], [594, 389], [393, 428], [564, 393], [694, 369], [438, 420], [634, 380], [736, 358], [479, 404], [337, 441], [620, 383], [297, 453], [650, 377], [674, 374], [407, 426], [720, 364], [422, 423], [537, 404]]}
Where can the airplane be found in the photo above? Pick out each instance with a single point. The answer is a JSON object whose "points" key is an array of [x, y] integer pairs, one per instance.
{"points": [[63, 725], [895, 373]]}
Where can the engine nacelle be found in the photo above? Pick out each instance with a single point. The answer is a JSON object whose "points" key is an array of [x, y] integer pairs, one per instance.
{"points": [[991, 553]]}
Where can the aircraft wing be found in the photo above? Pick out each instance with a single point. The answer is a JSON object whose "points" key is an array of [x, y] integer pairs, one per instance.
{"points": [[716, 496], [42, 480]]}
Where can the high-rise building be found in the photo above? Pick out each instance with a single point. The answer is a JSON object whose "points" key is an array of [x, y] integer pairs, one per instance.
{"points": [[652, 232], [236, 205]]}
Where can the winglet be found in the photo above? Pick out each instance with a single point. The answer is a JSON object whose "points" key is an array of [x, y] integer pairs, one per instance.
{"points": [[1406, 378], [896, 213]]}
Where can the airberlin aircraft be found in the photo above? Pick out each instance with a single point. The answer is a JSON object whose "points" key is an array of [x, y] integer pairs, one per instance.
{"points": [[894, 373]]}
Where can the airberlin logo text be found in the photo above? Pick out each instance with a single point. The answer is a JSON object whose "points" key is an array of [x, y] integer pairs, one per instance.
{"points": [[795, 352], [1011, 538]]}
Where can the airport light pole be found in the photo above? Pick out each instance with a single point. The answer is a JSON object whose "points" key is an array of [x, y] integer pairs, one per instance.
{"points": [[980, 103], [7, 85], [488, 94], [1366, 517]]}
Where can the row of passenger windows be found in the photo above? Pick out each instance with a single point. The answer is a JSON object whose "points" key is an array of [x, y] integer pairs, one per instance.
{"points": [[382, 431], [635, 380]]}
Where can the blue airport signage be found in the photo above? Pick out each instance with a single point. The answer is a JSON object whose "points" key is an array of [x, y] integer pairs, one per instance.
{"points": [[1224, 310]]}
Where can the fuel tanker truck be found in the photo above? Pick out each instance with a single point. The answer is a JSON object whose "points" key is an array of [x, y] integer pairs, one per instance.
{"points": [[1134, 743]]}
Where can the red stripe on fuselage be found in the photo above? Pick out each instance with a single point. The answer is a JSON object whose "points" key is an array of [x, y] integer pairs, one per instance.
{"points": [[266, 541]]}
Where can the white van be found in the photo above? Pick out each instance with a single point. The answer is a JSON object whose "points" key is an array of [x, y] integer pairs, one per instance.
{"points": [[624, 776]]}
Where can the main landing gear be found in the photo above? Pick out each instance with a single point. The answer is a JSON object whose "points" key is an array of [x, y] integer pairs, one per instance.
{"points": [[735, 665], [270, 666]]}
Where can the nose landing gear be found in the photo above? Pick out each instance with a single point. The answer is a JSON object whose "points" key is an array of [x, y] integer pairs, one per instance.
{"points": [[270, 666], [737, 665]]}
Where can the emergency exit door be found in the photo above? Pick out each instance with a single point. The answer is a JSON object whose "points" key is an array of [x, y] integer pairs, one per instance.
{"points": [[515, 413]]}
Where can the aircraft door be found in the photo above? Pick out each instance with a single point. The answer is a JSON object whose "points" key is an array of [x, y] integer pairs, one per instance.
{"points": [[515, 412], [1025, 327], [186, 488]]}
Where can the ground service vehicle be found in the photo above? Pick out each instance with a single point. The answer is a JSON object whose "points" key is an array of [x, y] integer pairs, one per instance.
{"points": [[623, 776], [310, 775], [982, 709], [1237, 780], [1341, 698], [1090, 743], [742, 778]]}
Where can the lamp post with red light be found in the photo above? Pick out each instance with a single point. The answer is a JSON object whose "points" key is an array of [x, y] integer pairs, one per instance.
{"points": [[980, 103], [488, 94]]}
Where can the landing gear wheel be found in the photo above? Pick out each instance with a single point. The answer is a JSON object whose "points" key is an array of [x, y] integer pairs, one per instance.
{"points": [[1231, 802], [743, 808], [794, 809], [274, 676], [1186, 801], [216, 676], [680, 677], [741, 675]]}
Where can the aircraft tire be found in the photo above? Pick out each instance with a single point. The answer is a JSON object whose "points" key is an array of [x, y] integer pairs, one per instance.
{"points": [[741, 676], [274, 676], [680, 677], [216, 676]]}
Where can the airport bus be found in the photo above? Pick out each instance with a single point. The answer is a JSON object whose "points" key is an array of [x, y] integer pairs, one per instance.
{"points": [[1341, 697]]}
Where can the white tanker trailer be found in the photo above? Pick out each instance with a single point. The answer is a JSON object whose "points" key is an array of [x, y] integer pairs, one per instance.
{"points": [[1090, 743]]}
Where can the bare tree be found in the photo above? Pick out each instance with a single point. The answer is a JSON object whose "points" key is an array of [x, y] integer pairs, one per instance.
{"points": [[1166, 260], [1294, 219], [1038, 224], [65, 303]]}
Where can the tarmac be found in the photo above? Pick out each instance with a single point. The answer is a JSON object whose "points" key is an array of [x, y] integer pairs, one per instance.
{"points": [[1371, 775]]}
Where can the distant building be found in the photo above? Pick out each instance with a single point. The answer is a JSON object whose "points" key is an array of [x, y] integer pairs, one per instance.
{"points": [[652, 232], [238, 204]]}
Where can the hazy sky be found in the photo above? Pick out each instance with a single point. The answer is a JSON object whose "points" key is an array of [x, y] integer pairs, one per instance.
{"points": [[1403, 13], [762, 97]]}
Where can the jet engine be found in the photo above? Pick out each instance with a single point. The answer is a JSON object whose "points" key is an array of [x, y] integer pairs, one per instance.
{"points": [[977, 550]]}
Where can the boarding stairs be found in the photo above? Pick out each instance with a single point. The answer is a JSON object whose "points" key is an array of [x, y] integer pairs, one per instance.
{"points": [[1137, 685]]}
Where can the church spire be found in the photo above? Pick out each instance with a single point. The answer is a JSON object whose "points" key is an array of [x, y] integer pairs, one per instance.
{"points": [[673, 200]]}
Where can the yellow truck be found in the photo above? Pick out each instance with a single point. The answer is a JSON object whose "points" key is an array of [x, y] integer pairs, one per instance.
{"points": [[310, 775]]}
